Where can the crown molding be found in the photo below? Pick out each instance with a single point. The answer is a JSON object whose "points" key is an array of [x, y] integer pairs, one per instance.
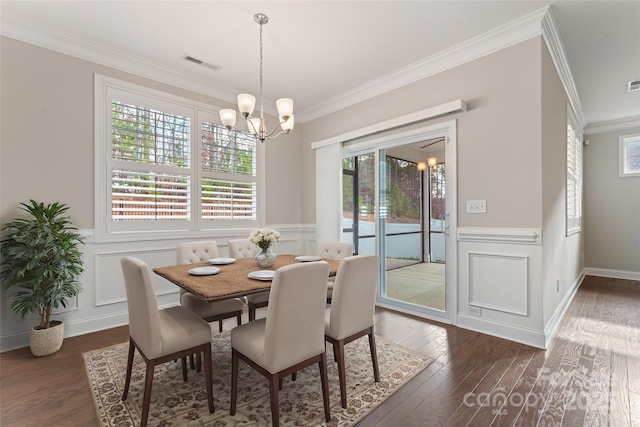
{"points": [[59, 41], [612, 125], [538, 23], [515, 32], [557, 52]]}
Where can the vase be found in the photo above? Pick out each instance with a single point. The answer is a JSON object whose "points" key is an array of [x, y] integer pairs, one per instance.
{"points": [[265, 258]]}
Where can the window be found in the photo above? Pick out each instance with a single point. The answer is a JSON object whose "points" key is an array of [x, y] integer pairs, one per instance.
{"points": [[574, 174], [629, 164], [165, 164]]}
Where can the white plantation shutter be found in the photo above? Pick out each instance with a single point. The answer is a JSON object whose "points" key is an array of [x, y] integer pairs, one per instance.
{"points": [[228, 170], [629, 155], [151, 157], [228, 200], [149, 196], [574, 174], [164, 163]]}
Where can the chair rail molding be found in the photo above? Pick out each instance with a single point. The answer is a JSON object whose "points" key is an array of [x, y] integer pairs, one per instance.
{"points": [[530, 236]]}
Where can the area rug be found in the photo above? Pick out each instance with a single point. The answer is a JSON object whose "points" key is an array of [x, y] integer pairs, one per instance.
{"points": [[177, 403]]}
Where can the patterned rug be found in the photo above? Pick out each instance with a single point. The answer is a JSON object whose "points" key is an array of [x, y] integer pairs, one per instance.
{"points": [[178, 403]]}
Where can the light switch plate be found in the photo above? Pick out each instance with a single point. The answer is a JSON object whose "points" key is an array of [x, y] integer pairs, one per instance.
{"points": [[476, 206]]}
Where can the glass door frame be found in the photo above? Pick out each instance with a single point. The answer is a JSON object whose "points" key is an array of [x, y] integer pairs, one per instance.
{"points": [[377, 146]]}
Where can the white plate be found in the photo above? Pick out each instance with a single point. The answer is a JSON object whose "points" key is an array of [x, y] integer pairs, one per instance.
{"points": [[261, 275], [308, 258], [204, 271], [222, 261]]}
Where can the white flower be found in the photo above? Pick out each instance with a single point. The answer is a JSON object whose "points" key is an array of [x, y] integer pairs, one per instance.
{"points": [[264, 237]]}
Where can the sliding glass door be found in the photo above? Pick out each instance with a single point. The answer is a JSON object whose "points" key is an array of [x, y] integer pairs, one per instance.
{"points": [[394, 205]]}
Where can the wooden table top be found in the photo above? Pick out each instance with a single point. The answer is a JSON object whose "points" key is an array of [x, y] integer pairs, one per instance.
{"points": [[231, 281]]}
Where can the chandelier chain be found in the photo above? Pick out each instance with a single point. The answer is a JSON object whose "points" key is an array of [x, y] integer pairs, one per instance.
{"points": [[261, 106]]}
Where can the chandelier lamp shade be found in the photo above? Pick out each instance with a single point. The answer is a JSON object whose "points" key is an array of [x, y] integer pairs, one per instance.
{"points": [[247, 103]]}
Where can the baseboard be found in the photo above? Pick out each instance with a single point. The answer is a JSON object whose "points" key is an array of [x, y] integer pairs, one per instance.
{"points": [[525, 336], [71, 329], [615, 274], [561, 309]]}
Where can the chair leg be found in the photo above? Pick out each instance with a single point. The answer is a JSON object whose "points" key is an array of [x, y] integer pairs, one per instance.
{"points": [[220, 325], [209, 379], [191, 365], [252, 312], [374, 355], [325, 386], [339, 349], [239, 319], [234, 381], [273, 396], [184, 368], [132, 350], [198, 362], [146, 400]]}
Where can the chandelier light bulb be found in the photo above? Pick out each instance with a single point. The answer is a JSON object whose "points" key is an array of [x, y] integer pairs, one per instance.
{"points": [[286, 124], [254, 125], [285, 107], [228, 118], [246, 104]]}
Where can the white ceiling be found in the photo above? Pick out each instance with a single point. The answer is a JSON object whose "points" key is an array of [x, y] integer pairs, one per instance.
{"points": [[325, 54]]}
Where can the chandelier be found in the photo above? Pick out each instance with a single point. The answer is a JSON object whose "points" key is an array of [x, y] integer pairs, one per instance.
{"points": [[247, 103]]}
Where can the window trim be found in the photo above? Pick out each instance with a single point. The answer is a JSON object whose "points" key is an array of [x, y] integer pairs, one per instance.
{"points": [[623, 142], [102, 171], [574, 224]]}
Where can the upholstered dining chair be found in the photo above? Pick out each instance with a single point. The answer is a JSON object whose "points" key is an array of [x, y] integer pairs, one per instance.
{"points": [[243, 248], [351, 313], [192, 252], [291, 337], [335, 250], [160, 335]]}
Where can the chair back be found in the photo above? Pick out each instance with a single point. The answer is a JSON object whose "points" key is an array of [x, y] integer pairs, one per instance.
{"points": [[354, 295], [294, 329], [242, 248], [144, 318], [334, 250], [191, 252]]}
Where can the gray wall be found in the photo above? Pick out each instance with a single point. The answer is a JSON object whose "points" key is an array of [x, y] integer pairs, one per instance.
{"points": [[499, 136], [611, 206], [47, 136], [511, 151], [562, 255]]}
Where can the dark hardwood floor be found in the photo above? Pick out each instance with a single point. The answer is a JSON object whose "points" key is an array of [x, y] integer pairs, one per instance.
{"points": [[589, 376]]}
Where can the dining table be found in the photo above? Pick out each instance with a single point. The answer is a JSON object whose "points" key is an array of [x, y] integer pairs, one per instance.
{"points": [[232, 281]]}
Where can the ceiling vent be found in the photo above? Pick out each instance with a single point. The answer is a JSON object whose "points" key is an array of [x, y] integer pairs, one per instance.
{"points": [[197, 61], [633, 85]]}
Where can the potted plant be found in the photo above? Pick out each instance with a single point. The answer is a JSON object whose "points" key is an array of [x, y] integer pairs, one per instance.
{"points": [[41, 264]]}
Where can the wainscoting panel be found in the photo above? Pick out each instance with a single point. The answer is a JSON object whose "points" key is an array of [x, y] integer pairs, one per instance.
{"points": [[102, 302], [498, 282], [110, 282], [500, 287]]}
